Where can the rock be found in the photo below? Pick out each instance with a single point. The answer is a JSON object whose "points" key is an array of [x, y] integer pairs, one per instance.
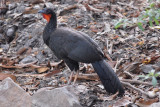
{"points": [[155, 104], [28, 59], [12, 95], [12, 6], [146, 68], [59, 97], [3, 10], [1, 22], [20, 9], [2, 39], [82, 88], [10, 33], [50, 5]]}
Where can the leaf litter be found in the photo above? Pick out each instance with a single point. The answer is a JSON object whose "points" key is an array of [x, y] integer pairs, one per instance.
{"points": [[130, 51]]}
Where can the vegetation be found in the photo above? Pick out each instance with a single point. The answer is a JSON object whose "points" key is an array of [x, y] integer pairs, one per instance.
{"points": [[151, 15]]}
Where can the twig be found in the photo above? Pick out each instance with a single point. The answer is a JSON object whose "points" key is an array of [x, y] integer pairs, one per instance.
{"points": [[137, 89], [90, 8], [30, 75], [127, 5], [117, 64], [135, 81], [91, 77], [128, 73], [61, 12]]}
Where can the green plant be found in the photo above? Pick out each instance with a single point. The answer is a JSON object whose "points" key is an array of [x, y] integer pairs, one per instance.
{"points": [[150, 15], [152, 75]]}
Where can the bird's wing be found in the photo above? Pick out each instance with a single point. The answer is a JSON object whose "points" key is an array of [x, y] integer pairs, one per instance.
{"points": [[86, 49]]}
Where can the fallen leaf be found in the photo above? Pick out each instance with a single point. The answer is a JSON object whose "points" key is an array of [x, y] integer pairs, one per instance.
{"points": [[4, 75], [1, 50], [92, 76], [155, 27], [22, 50], [124, 101], [79, 27], [146, 102], [30, 11], [115, 36], [52, 73], [63, 79], [140, 43], [42, 69], [59, 64]]}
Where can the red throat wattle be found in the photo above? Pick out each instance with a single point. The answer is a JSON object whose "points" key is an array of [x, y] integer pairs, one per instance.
{"points": [[47, 16]]}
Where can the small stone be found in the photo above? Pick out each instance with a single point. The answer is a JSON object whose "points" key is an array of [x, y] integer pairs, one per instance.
{"points": [[49, 5], [20, 9], [154, 39], [10, 33], [82, 88], [59, 97], [12, 6], [146, 68], [28, 59]]}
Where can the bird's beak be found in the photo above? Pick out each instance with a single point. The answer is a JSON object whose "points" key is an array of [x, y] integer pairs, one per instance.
{"points": [[46, 16], [41, 11]]}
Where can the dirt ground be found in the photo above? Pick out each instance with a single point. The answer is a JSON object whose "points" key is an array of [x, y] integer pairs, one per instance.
{"points": [[130, 51]]}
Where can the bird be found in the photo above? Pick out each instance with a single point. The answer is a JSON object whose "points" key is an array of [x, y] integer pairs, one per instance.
{"points": [[73, 47]]}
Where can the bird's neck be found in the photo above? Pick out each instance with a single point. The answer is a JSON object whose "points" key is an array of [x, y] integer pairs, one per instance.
{"points": [[50, 27]]}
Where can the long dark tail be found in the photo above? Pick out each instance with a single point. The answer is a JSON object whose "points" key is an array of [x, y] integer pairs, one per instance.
{"points": [[108, 77]]}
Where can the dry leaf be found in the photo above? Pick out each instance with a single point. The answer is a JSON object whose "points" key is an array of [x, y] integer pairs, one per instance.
{"points": [[1, 50], [123, 102], [140, 43], [92, 76], [52, 73], [42, 69], [63, 79], [4, 75], [155, 27], [21, 51], [146, 103]]}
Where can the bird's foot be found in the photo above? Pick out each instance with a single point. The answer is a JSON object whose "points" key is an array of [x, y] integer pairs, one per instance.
{"points": [[70, 78]]}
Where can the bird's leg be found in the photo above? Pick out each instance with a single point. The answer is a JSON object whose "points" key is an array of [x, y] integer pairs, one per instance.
{"points": [[75, 78], [70, 78]]}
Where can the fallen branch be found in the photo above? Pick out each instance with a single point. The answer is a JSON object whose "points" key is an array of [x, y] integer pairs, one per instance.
{"points": [[136, 82], [129, 74], [18, 66], [148, 94], [65, 10], [125, 4], [30, 75], [90, 8], [91, 77], [132, 87]]}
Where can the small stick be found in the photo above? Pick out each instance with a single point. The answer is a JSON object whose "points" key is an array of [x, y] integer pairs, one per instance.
{"points": [[137, 89], [136, 82]]}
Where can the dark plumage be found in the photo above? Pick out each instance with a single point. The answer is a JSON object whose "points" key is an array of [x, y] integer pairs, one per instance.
{"points": [[73, 47]]}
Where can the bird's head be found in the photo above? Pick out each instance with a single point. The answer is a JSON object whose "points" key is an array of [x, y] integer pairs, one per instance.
{"points": [[47, 13]]}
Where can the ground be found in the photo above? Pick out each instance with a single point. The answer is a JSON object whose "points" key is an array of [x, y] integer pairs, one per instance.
{"points": [[130, 51]]}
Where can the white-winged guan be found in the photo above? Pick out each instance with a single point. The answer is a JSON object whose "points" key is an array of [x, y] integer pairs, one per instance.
{"points": [[73, 47]]}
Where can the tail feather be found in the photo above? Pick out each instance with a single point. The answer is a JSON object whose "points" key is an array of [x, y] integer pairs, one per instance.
{"points": [[108, 77]]}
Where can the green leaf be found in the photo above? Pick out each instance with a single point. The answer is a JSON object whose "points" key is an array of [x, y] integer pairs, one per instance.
{"points": [[146, 77], [150, 22], [157, 74], [140, 26], [156, 21], [141, 76], [154, 81], [118, 25], [152, 5]]}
